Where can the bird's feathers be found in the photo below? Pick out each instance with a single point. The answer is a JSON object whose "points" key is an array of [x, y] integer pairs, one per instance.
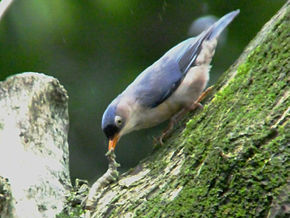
{"points": [[216, 29], [109, 116], [155, 84], [170, 84]]}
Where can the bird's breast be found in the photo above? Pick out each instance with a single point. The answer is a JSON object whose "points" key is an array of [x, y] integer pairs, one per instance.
{"points": [[149, 117]]}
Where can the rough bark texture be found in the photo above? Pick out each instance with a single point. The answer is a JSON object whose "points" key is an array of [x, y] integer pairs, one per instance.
{"points": [[4, 5], [34, 174], [232, 159]]}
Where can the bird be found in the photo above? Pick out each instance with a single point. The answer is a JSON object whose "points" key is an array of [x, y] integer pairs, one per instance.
{"points": [[168, 88]]}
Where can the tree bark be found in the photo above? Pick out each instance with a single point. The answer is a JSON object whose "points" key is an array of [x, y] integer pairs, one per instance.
{"points": [[4, 5], [34, 174], [231, 159]]}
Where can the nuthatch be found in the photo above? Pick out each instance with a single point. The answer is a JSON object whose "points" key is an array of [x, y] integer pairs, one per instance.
{"points": [[169, 86]]}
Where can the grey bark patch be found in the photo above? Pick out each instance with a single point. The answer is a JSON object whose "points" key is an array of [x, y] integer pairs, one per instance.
{"points": [[33, 144]]}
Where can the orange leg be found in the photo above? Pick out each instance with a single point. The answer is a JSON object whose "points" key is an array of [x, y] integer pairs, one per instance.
{"points": [[173, 120], [202, 96], [181, 113]]}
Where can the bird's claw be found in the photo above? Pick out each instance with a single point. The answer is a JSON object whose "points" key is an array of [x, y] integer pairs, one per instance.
{"points": [[204, 94], [179, 115], [165, 133], [160, 139]]}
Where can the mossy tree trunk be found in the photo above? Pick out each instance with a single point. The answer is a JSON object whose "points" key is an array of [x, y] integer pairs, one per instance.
{"points": [[232, 158]]}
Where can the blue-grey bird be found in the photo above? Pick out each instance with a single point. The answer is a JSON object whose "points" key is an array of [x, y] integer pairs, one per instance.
{"points": [[170, 85]]}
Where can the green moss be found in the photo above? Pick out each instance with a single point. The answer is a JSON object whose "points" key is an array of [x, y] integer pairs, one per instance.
{"points": [[74, 207], [236, 162], [75, 212]]}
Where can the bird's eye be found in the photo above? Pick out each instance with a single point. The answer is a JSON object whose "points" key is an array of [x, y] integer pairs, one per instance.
{"points": [[118, 121]]}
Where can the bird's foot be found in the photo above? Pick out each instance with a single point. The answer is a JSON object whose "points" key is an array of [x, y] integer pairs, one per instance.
{"points": [[174, 120], [166, 132], [160, 140], [196, 104], [204, 94]]}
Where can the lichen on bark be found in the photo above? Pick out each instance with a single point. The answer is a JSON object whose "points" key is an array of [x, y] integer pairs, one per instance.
{"points": [[33, 146]]}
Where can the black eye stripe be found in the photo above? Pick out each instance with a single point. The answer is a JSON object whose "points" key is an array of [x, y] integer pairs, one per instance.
{"points": [[111, 131]]}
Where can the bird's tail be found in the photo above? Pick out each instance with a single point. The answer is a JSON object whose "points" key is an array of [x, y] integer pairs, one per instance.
{"points": [[215, 30], [193, 46]]}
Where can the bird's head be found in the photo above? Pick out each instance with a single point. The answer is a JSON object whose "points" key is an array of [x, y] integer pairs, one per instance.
{"points": [[114, 123]]}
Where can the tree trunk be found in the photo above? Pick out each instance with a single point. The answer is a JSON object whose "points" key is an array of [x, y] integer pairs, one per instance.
{"points": [[231, 159], [34, 174]]}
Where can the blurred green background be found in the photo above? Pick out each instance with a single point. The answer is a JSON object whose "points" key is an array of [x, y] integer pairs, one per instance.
{"points": [[96, 48]]}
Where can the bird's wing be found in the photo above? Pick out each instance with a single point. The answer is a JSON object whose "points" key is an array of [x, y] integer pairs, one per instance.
{"points": [[155, 84]]}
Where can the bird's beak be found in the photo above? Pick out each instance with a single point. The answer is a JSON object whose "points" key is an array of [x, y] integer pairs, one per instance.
{"points": [[113, 142]]}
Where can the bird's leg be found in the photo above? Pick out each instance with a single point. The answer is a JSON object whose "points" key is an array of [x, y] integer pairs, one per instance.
{"points": [[172, 122], [197, 103], [181, 113]]}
